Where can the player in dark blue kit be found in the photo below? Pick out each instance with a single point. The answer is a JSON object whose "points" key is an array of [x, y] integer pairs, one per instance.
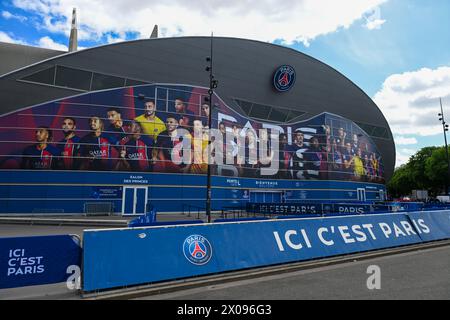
{"points": [[136, 151], [315, 160], [42, 155], [184, 116], [95, 148], [116, 130], [297, 156], [70, 145], [283, 158]]}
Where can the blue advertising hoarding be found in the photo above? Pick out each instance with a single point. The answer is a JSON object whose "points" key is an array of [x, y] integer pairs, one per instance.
{"points": [[438, 223], [28, 261], [307, 208], [115, 258]]}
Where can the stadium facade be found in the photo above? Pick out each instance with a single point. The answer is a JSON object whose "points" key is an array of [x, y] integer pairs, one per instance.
{"points": [[107, 127]]}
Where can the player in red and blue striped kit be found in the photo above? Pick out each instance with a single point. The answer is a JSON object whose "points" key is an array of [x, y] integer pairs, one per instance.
{"points": [[95, 148], [42, 155], [70, 145], [136, 151]]}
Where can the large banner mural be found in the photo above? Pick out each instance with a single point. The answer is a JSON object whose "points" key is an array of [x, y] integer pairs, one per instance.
{"points": [[164, 128]]}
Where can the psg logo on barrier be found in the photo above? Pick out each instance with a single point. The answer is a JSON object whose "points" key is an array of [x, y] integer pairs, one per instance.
{"points": [[284, 78], [197, 250]]}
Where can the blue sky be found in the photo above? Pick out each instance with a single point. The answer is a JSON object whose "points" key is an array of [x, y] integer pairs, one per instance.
{"points": [[397, 51]]}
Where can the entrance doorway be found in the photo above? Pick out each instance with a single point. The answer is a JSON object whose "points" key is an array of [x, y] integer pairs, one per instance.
{"points": [[257, 196], [134, 200], [361, 194]]}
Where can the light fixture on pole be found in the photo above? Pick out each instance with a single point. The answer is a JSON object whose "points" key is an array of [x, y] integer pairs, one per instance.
{"points": [[212, 85], [445, 129]]}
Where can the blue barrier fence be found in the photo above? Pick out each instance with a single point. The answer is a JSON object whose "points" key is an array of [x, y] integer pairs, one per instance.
{"points": [[307, 208], [27, 261], [116, 258]]}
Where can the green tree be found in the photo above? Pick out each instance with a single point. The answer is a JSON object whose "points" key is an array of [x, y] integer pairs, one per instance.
{"points": [[416, 165], [400, 183], [425, 170], [436, 170]]}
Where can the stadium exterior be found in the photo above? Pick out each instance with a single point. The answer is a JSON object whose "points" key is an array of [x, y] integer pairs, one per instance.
{"points": [[77, 132]]}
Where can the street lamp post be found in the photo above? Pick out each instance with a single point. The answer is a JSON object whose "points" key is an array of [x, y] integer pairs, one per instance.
{"points": [[212, 85], [445, 129]]}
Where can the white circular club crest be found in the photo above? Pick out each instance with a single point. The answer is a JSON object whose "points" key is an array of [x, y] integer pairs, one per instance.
{"points": [[197, 249]]}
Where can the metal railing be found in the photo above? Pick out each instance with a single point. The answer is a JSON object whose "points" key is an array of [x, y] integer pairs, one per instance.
{"points": [[236, 212], [98, 208], [189, 209]]}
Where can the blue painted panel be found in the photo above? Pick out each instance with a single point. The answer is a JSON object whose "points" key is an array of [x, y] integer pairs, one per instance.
{"points": [[432, 225], [52, 191], [140, 198], [39, 260], [129, 201], [51, 206], [156, 254], [120, 178]]}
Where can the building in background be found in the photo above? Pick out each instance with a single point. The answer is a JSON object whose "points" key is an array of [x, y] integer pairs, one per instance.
{"points": [[78, 130]]}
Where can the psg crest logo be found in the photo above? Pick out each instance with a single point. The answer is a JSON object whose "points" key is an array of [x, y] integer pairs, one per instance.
{"points": [[197, 249], [284, 78]]}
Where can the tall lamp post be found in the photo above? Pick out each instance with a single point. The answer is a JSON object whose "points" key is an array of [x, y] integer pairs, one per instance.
{"points": [[445, 129], [212, 85]]}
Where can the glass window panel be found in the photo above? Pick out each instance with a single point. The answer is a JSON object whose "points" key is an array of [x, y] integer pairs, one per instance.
{"points": [[131, 82], [73, 78], [294, 114], [245, 106], [379, 132], [367, 128], [278, 115], [259, 111], [103, 81], [46, 76]]}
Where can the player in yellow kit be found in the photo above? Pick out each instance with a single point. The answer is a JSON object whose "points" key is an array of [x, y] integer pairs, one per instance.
{"points": [[199, 146], [150, 123]]}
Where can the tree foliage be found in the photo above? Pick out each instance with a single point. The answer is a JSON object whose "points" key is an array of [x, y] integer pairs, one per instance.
{"points": [[426, 170]]}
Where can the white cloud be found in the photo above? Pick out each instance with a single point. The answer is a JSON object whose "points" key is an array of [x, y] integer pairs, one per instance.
{"points": [[403, 155], [408, 151], [49, 43], [375, 24], [374, 21], [410, 101], [44, 42], [112, 39], [4, 37], [399, 140], [266, 20], [8, 15]]}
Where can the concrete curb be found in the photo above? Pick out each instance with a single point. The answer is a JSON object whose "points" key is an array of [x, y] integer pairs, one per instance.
{"points": [[64, 222]]}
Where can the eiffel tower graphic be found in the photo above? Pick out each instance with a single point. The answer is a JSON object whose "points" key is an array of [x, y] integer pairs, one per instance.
{"points": [[198, 250], [284, 80]]}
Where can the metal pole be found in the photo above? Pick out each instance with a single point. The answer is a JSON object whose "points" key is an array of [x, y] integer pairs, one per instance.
{"points": [[444, 127], [210, 92]]}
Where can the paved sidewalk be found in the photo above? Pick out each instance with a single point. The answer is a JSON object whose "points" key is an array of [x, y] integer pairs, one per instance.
{"points": [[116, 221]]}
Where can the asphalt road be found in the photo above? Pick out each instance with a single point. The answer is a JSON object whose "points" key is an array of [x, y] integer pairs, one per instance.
{"points": [[415, 275]]}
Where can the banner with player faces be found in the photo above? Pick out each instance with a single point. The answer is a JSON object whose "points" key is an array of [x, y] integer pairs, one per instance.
{"points": [[164, 128]]}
